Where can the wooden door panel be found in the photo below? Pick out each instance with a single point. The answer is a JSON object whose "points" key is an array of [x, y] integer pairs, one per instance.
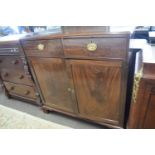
{"points": [[54, 83], [98, 88], [150, 113]]}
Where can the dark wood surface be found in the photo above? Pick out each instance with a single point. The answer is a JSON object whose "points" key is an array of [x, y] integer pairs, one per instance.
{"points": [[76, 81], [142, 111], [17, 89], [149, 118], [14, 72], [54, 83], [94, 89], [11, 62], [98, 89], [85, 29], [50, 48], [16, 76], [108, 47]]}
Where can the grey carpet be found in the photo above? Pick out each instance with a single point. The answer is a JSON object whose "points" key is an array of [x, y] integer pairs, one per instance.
{"points": [[52, 116]]}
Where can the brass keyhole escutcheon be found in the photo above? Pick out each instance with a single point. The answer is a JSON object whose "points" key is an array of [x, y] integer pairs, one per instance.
{"points": [[40, 47], [91, 46]]}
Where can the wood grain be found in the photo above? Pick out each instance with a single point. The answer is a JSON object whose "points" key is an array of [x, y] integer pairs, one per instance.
{"points": [[52, 48], [11, 62], [98, 88], [149, 121], [20, 90], [106, 47], [54, 83]]}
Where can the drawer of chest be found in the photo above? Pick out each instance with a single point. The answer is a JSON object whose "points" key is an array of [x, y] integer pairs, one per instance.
{"points": [[11, 62], [43, 48], [16, 76], [21, 90], [96, 47], [10, 48]]}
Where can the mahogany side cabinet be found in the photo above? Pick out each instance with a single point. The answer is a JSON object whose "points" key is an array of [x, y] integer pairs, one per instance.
{"points": [[81, 75]]}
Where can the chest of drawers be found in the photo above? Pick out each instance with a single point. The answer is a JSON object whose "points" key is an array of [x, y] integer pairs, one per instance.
{"points": [[14, 73]]}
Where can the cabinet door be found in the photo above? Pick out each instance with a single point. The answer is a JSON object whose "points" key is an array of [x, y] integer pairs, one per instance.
{"points": [[149, 120], [99, 88], [54, 83]]}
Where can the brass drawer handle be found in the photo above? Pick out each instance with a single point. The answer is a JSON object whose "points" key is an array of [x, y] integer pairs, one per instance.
{"points": [[91, 46], [41, 47]]}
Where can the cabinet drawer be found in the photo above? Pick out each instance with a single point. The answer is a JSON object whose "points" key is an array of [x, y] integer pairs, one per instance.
{"points": [[16, 76], [11, 48], [11, 62], [21, 90], [43, 48], [96, 47]]}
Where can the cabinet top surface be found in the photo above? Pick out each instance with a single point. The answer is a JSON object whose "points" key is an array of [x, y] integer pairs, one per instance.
{"points": [[147, 49], [54, 35]]}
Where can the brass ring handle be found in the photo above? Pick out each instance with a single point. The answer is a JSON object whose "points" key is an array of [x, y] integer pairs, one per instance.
{"points": [[40, 47], [91, 46]]}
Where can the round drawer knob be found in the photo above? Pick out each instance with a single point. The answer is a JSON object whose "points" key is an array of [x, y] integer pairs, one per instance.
{"points": [[91, 46], [40, 47], [21, 77], [15, 62], [37, 94], [6, 74], [27, 92], [0, 61], [12, 88]]}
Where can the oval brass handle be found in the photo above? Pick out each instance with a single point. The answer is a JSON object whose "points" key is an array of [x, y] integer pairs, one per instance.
{"points": [[91, 46], [27, 92], [41, 47]]}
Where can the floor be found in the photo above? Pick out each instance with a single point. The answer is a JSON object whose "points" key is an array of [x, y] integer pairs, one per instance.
{"points": [[53, 116]]}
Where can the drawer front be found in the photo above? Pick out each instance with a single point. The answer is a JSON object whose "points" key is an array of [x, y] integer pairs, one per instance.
{"points": [[11, 62], [43, 48], [96, 47], [16, 76], [20, 90], [11, 48]]}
